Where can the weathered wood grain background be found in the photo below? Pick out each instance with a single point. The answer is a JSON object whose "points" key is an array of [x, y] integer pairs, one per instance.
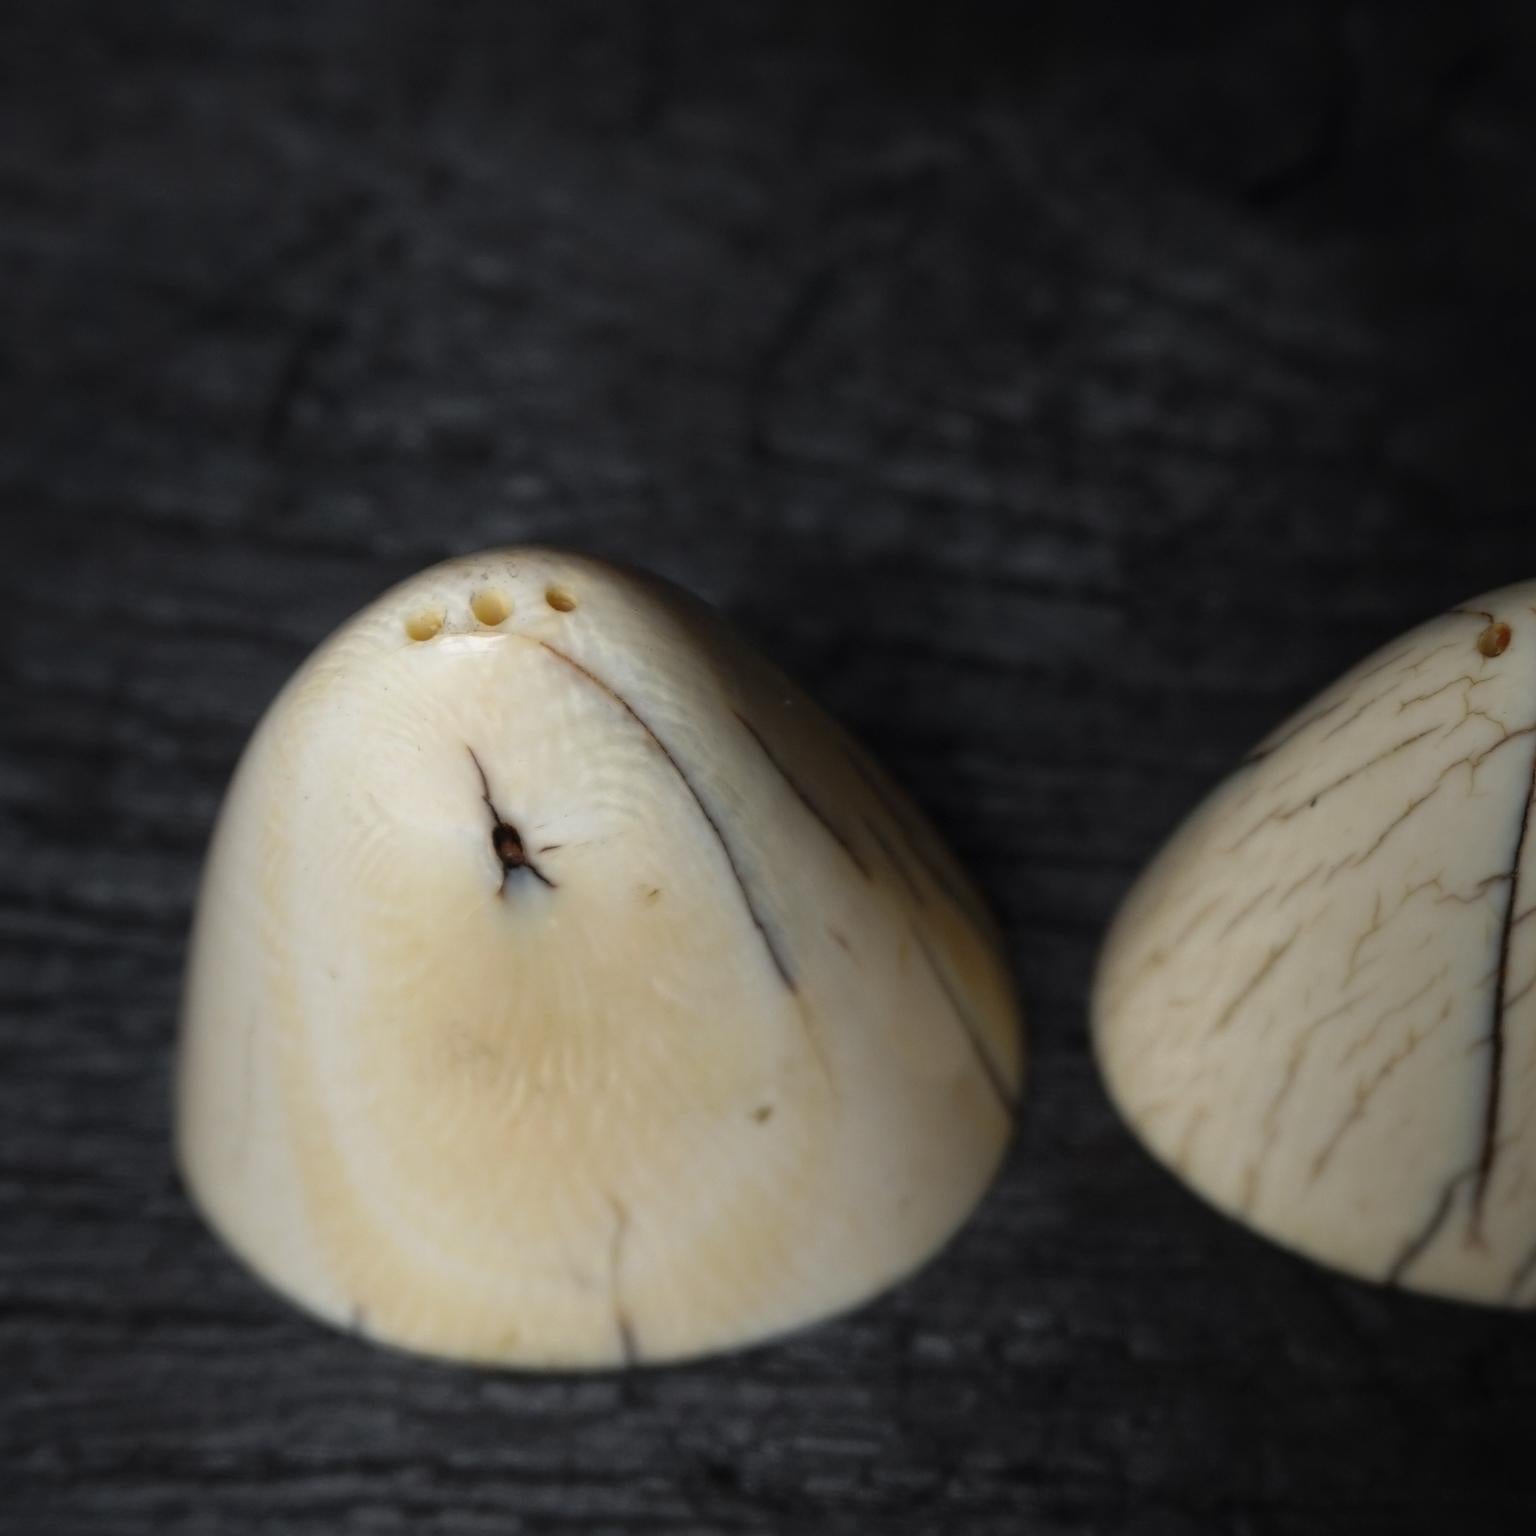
{"points": [[1063, 391]]}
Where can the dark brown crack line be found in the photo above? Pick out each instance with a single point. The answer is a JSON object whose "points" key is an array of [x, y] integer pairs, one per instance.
{"points": [[803, 797], [1366, 1091], [1411, 1251], [1195, 921], [769, 942], [1492, 1103], [1271, 1122], [1254, 983], [1287, 812], [1245, 911], [1363, 1041], [1479, 890], [1381, 757], [1381, 666], [1360, 943], [1434, 693], [1523, 1272], [990, 1069], [1272, 744], [1356, 860], [1477, 759], [1429, 656], [1296, 885], [629, 1347], [1472, 761], [1196, 1123], [895, 860], [956, 891], [1349, 720], [817, 1049], [505, 838]]}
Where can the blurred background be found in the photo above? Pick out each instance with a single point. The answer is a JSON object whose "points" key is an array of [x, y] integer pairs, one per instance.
{"points": [[1062, 391]]}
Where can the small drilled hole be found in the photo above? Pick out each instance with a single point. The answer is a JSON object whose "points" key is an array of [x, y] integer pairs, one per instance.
{"points": [[490, 607], [423, 626], [1494, 640], [559, 599]]}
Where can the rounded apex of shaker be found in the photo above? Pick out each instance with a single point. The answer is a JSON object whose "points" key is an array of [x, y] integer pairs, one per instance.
{"points": [[567, 990], [1318, 1005]]}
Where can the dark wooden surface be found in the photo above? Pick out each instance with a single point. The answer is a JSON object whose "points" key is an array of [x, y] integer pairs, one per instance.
{"points": [[1062, 391]]}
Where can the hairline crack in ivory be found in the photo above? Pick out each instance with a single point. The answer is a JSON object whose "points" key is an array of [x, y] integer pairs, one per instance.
{"points": [[1318, 1005], [568, 990]]}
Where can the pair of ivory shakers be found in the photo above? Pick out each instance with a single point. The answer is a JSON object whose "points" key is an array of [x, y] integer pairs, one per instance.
{"points": [[568, 991]]}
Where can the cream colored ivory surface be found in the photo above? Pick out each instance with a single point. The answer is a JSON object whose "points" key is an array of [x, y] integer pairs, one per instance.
{"points": [[727, 1046], [1318, 1006]]}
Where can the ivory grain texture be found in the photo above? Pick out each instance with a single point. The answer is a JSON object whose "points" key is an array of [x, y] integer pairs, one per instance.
{"points": [[568, 990], [1319, 1004]]}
